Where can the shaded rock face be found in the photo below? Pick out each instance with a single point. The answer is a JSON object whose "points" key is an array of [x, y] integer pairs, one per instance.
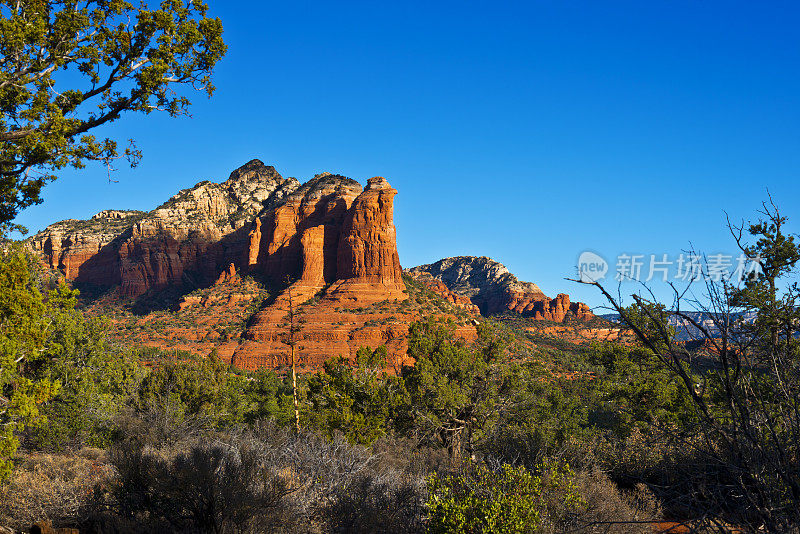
{"points": [[342, 242], [189, 239], [331, 233], [493, 289], [300, 237]]}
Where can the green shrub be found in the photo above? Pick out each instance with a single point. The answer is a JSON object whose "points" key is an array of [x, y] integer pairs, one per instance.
{"points": [[200, 385], [357, 400], [503, 500]]}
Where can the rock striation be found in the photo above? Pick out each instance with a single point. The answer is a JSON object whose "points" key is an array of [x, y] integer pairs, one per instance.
{"points": [[493, 289], [328, 239], [326, 232], [186, 241]]}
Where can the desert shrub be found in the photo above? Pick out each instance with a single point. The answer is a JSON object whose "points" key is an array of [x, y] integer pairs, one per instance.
{"points": [[386, 503], [206, 486], [637, 391], [160, 355], [408, 455], [263, 479], [641, 455], [200, 385], [156, 423], [553, 498], [56, 487], [605, 508], [318, 466], [502, 499]]}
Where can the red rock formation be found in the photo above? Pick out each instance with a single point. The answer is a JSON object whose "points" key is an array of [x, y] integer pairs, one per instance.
{"points": [[554, 309], [348, 259], [492, 288], [441, 289], [86, 247], [188, 240], [228, 277], [255, 244], [368, 266], [327, 238], [279, 247], [326, 331], [577, 334]]}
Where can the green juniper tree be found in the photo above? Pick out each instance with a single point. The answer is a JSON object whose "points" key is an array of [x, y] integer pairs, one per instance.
{"points": [[69, 67], [197, 386], [23, 337], [357, 399], [454, 389], [53, 362]]}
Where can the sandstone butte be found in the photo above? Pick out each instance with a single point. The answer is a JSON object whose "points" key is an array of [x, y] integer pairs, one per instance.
{"points": [[482, 283], [328, 245]]}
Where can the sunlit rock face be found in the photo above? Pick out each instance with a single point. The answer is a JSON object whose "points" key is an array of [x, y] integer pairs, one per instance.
{"points": [[328, 238], [493, 289], [187, 240]]}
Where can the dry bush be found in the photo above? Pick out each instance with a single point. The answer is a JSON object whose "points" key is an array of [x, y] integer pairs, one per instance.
{"points": [[348, 488], [205, 486], [409, 456], [381, 503], [315, 466], [56, 487], [263, 479], [267, 479], [609, 510], [159, 423]]}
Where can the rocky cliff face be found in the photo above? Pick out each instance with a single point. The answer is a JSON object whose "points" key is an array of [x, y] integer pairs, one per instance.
{"points": [[240, 253], [493, 289], [327, 238], [341, 241], [186, 241], [327, 231], [86, 247]]}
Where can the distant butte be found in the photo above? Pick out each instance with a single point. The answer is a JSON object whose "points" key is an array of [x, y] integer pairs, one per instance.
{"points": [[490, 287]]}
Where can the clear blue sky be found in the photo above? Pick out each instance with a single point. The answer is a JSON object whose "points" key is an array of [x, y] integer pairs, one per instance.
{"points": [[526, 131]]}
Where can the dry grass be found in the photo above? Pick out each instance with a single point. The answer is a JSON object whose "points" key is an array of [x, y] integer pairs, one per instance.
{"points": [[55, 487], [608, 510]]}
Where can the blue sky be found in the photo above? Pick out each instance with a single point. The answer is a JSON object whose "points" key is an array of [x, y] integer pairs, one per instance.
{"points": [[527, 132]]}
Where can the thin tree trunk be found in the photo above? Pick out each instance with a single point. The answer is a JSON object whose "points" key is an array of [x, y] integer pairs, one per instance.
{"points": [[292, 343], [294, 394]]}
